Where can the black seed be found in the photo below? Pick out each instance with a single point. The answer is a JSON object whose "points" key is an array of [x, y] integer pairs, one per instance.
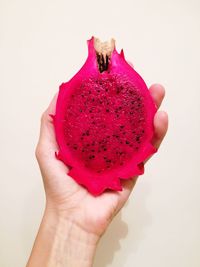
{"points": [[119, 89], [127, 142], [105, 149], [80, 110], [121, 126], [107, 110]]}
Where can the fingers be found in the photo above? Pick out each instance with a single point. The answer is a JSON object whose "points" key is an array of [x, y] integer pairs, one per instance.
{"points": [[157, 92], [47, 134], [52, 106], [160, 127]]}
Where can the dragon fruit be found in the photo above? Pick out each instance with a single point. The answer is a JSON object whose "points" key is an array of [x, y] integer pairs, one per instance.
{"points": [[104, 120]]}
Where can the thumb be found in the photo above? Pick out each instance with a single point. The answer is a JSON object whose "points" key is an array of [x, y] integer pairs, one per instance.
{"points": [[47, 139]]}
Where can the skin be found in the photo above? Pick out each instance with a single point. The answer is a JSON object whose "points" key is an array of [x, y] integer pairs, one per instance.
{"points": [[74, 220]]}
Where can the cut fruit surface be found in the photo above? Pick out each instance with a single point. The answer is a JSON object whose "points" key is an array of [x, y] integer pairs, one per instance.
{"points": [[104, 120]]}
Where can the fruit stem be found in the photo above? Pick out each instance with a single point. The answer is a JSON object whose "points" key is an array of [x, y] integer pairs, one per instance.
{"points": [[103, 51]]}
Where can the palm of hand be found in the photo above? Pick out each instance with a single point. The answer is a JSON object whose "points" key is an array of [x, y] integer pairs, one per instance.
{"points": [[74, 202], [65, 196]]}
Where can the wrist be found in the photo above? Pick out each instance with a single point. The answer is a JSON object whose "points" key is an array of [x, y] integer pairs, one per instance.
{"points": [[71, 244]]}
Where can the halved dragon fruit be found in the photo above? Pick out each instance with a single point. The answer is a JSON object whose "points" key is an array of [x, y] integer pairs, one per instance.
{"points": [[104, 120]]}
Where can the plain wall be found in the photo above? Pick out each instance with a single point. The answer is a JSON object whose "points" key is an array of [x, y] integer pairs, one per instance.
{"points": [[42, 44]]}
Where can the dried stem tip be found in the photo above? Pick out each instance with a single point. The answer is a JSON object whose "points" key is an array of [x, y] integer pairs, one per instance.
{"points": [[104, 51]]}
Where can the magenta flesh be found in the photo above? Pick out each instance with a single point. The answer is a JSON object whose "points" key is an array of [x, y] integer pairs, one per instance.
{"points": [[104, 123]]}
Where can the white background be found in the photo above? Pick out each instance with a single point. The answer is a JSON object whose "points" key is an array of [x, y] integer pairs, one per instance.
{"points": [[42, 44]]}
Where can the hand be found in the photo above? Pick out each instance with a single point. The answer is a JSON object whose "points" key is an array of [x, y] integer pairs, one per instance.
{"points": [[74, 220], [71, 201]]}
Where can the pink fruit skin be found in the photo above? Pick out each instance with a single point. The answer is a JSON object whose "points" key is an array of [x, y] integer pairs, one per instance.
{"points": [[96, 181]]}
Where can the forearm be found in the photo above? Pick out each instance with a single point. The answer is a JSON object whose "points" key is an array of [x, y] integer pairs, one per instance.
{"points": [[61, 243]]}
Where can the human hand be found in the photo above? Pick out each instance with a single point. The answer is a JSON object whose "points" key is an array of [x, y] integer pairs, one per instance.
{"points": [[74, 220], [69, 200]]}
